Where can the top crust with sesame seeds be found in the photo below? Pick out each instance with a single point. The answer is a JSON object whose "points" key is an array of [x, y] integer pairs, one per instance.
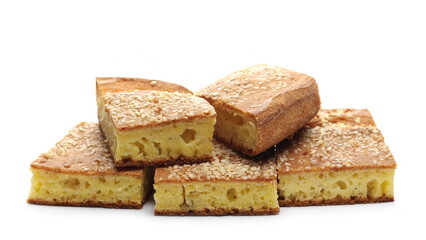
{"points": [[335, 140], [226, 166], [120, 84], [265, 104], [254, 88], [129, 110], [82, 151]]}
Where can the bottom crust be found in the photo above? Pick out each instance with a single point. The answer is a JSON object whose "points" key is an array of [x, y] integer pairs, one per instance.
{"points": [[334, 201], [218, 212], [129, 205], [163, 162]]}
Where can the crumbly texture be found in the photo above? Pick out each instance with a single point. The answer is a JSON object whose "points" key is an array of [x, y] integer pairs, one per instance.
{"points": [[336, 187], [231, 184], [79, 171], [65, 189], [157, 127], [339, 157], [261, 105]]}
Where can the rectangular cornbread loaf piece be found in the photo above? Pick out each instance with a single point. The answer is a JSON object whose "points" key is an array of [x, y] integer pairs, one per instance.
{"points": [[230, 185], [339, 158], [159, 123], [259, 106], [79, 171]]}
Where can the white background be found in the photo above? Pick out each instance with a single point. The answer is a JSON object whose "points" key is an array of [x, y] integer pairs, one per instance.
{"points": [[363, 54]]}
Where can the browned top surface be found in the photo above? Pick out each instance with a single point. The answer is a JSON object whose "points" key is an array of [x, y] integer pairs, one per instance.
{"points": [[139, 108], [82, 151], [252, 89], [226, 166], [117, 84], [352, 117], [335, 140]]}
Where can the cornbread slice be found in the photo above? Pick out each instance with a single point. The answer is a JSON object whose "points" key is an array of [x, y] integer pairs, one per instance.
{"points": [[146, 127], [259, 106], [231, 184], [339, 158], [79, 171]]}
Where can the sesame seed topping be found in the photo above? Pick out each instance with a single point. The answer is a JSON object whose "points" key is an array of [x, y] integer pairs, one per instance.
{"points": [[153, 83], [227, 165], [334, 142], [142, 108], [82, 150], [253, 88]]}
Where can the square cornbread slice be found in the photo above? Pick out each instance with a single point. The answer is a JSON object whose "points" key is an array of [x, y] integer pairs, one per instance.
{"points": [[230, 185], [147, 127], [79, 171], [259, 106], [339, 158]]}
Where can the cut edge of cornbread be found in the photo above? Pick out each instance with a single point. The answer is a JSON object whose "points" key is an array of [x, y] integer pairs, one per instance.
{"points": [[67, 189], [230, 184], [79, 171], [184, 138], [216, 198], [235, 129], [336, 187], [340, 157], [175, 143]]}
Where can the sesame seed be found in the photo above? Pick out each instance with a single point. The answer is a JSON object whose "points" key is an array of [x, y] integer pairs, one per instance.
{"points": [[333, 140], [142, 108], [83, 149], [227, 165], [237, 88]]}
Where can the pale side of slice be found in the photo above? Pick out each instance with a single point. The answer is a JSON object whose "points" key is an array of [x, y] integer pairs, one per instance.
{"points": [[215, 198], [336, 187]]}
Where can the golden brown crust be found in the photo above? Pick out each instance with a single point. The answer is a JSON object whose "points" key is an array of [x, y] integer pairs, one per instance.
{"points": [[143, 108], [293, 118], [343, 139], [82, 151], [348, 116], [219, 212], [105, 85], [335, 201], [277, 100], [163, 162], [119, 84], [130, 205], [226, 166]]}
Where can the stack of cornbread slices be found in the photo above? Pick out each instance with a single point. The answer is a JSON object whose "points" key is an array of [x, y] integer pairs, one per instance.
{"points": [[247, 144]]}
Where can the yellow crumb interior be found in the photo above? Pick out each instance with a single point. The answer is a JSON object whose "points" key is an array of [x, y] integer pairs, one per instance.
{"points": [[370, 183], [235, 129], [189, 139], [225, 196], [54, 187], [172, 141]]}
